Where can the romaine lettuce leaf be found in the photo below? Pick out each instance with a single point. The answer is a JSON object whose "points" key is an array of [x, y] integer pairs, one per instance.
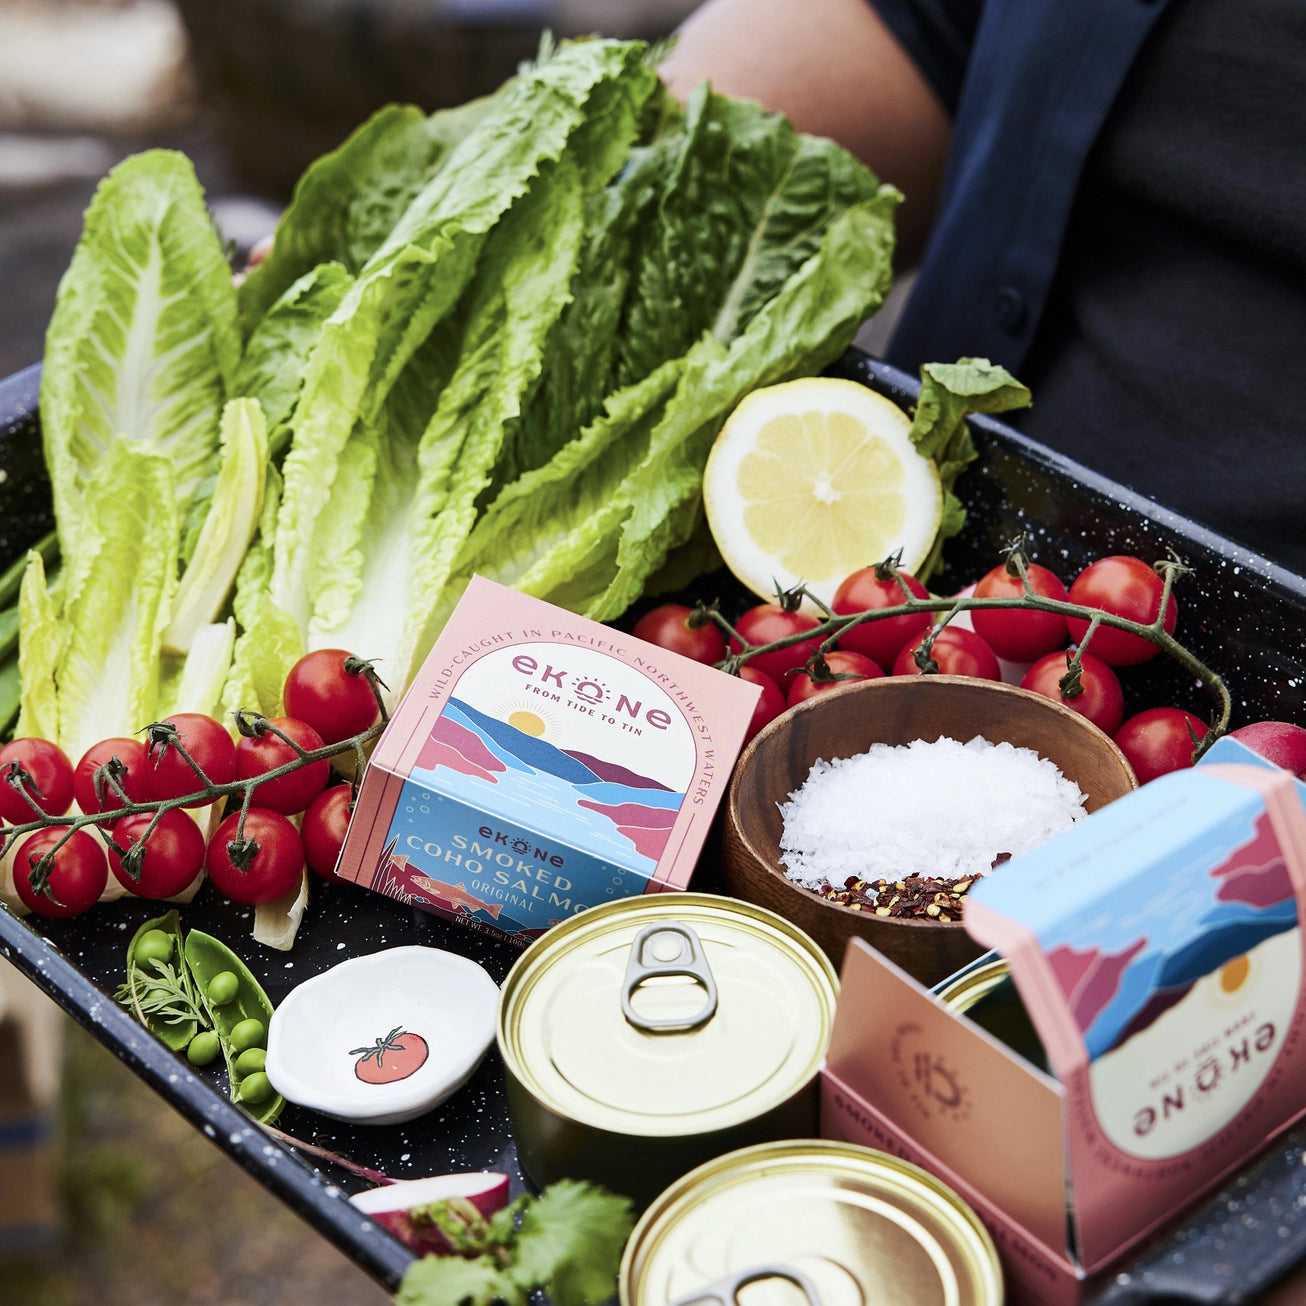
{"points": [[347, 202], [276, 354], [144, 341], [585, 100], [118, 591], [228, 528]]}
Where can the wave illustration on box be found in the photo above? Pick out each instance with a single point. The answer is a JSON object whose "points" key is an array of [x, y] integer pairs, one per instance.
{"points": [[554, 791]]}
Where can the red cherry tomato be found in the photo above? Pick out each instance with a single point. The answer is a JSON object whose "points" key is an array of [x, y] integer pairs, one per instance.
{"points": [[323, 829], [169, 775], [293, 791], [76, 880], [1010, 633], [842, 662], [131, 753], [1157, 741], [276, 865], [958, 651], [174, 853], [1127, 587], [771, 703], [49, 780], [1102, 700], [767, 623], [338, 704], [881, 641], [668, 627]]}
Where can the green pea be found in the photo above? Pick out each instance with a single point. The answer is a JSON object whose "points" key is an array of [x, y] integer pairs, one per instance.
{"points": [[250, 1060], [223, 988], [153, 945], [247, 1033], [203, 1048], [255, 1088]]}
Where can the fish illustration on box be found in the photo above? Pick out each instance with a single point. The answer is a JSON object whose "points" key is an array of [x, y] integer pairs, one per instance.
{"points": [[542, 763]]}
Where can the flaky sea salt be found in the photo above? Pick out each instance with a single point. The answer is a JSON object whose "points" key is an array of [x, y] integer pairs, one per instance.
{"points": [[943, 809]]}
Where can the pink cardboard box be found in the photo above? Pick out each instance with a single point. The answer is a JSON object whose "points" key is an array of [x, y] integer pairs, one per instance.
{"points": [[542, 763], [1157, 949]]}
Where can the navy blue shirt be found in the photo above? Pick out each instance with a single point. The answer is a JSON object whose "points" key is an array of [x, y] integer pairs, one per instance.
{"points": [[1123, 225]]}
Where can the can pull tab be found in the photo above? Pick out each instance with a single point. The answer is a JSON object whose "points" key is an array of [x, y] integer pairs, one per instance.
{"points": [[726, 1291], [651, 957]]}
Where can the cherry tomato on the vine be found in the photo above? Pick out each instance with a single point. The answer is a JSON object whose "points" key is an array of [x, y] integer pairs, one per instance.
{"points": [[293, 791], [49, 780], [323, 829], [169, 775], [174, 853], [842, 662], [1156, 741], [768, 622], [1126, 587], [76, 880], [337, 703], [668, 626], [882, 640], [958, 652], [1012, 634], [771, 703], [1101, 699], [131, 753], [276, 865]]}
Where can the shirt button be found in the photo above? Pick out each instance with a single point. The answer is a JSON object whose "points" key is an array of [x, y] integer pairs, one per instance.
{"points": [[1010, 309]]}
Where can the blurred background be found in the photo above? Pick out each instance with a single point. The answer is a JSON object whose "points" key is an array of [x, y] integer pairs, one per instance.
{"points": [[107, 1196]]}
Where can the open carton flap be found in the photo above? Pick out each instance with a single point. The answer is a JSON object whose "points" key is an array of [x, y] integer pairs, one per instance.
{"points": [[985, 1113], [1157, 951]]}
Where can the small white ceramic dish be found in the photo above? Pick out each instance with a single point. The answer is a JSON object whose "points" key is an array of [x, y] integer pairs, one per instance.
{"points": [[383, 1038]]}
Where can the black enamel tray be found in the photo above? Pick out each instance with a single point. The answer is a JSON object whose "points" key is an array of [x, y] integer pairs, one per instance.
{"points": [[1240, 614]]}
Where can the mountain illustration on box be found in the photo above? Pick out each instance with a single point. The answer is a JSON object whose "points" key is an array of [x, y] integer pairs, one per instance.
{"points": [[1115, 993], [563, 793]]}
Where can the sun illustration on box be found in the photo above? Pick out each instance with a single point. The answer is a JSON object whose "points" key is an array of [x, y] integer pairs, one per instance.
{"points": [[527, 717]]}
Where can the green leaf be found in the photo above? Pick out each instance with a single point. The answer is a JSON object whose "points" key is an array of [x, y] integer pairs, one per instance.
{"points": [[585, 102], [272, 369], [455, 1281], [143, 343], [570, 1243], [11, 692], [232, 518], [949, 393], [41, 641], [118, 596], [347, 202]]}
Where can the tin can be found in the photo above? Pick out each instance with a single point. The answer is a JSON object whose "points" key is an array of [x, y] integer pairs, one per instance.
{"points": [[829, 1223], [986, 994], [645, 1036]]}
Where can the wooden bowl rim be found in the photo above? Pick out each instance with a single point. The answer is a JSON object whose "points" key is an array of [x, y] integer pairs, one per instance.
{"points": [[818, 703]]}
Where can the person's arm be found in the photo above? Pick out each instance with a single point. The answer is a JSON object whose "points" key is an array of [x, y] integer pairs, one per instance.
{"points": [[834, 69]]}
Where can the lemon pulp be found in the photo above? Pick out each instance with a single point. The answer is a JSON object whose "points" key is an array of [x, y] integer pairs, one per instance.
{"points": [[812, 479]]}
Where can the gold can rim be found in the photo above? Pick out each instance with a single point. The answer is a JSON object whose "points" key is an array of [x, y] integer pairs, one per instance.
{"points": [[803, 1159], [576, 938], [963, 991]]}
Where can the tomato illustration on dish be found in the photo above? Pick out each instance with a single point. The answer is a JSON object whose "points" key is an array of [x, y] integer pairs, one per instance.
{"points": [[392, 1058]]}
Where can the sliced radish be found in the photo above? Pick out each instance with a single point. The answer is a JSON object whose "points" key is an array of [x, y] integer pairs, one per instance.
{"points": [[400, 1207], [1279, 742]]}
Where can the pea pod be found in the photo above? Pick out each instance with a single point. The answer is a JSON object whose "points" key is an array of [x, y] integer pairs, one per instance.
{"points": [[158, 989], [208, 958]]}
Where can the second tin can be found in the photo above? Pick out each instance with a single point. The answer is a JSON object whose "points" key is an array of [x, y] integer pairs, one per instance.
{"points": [[646, 1036], [809, 1223]]}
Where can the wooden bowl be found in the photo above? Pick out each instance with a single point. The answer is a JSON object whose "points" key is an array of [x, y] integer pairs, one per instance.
{"points": [[894, 710]]}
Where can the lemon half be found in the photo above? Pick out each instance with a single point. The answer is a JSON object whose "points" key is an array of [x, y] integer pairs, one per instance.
{"points": [[811, 479]]}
